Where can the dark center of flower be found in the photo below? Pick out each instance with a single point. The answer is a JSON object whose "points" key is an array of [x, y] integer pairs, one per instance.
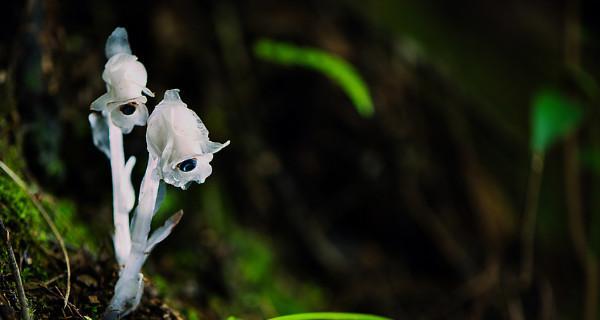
{"points": [[187, 165], [128, 109]]}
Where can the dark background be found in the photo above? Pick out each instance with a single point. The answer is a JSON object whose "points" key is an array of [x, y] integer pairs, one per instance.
{"points": [[414, 213]]}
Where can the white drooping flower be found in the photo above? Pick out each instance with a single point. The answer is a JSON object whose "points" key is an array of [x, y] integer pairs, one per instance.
{"points": [[125, 79], [179, 140]]}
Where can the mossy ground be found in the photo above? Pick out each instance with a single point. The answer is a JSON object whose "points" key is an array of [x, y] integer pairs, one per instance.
{"points": [[42, 265], [255, 284], [43, 268]]}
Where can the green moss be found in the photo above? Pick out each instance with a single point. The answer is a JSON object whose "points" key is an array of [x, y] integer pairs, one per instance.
{"points": [[28, 233], [18, 213], [32, 239], [191, 314], [161, 284], [69, 226], [26, 223]]}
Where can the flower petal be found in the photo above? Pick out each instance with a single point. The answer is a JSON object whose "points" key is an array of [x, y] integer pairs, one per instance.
{"points": [[213, 147], [117, 42], [148, 92], [174, 176], [125, 77], [127, 121], [100, 104]]}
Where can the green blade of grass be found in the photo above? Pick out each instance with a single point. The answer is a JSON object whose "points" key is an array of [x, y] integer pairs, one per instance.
{"points": [[329, 316], [336, 68]]}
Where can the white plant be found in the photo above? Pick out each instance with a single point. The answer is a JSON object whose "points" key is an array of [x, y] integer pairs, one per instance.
{"points": [[120, 109], [179, 153]]}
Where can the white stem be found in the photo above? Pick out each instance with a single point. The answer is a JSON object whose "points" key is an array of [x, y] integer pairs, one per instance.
{"points": [[129, 287], [122, 239]]}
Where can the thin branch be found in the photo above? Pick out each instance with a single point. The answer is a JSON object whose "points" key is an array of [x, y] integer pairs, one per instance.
{"points": [[16, 273], [530, 217], [73, 308], [46, 217]]}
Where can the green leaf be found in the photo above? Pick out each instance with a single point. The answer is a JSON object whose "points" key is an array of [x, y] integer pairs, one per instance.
{"points": [[336, 68], [554, 116], [329, 316]]}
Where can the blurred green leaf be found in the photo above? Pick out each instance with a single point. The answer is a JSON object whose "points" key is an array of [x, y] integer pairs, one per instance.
{"points": [[336, 68], [329, 316], [554, 116]]}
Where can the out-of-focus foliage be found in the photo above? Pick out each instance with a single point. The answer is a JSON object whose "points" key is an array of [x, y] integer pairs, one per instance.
{"points": [[251, 268], [336, 68], [330, 316], [554, 116]]}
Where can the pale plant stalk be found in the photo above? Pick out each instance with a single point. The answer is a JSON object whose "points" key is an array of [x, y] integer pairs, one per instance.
{"points": [[129, 287], [122, 238]]}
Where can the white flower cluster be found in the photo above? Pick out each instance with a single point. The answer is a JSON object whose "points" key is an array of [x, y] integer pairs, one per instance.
{"points": [[179, 153]]}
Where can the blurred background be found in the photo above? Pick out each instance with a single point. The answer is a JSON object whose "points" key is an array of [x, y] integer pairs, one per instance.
{"points": [[468, 193]]}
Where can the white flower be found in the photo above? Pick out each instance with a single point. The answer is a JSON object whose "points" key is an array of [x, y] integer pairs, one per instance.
{"points": [[125, 79], [179, 140]]}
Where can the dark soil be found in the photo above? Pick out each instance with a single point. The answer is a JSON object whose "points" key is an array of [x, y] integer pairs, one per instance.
{"points": [[92, 281]]}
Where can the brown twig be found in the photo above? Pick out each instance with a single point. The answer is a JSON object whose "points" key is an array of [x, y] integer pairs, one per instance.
{"points": [[529, 218], [73, 308], [16, 273], [46, 216]]}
